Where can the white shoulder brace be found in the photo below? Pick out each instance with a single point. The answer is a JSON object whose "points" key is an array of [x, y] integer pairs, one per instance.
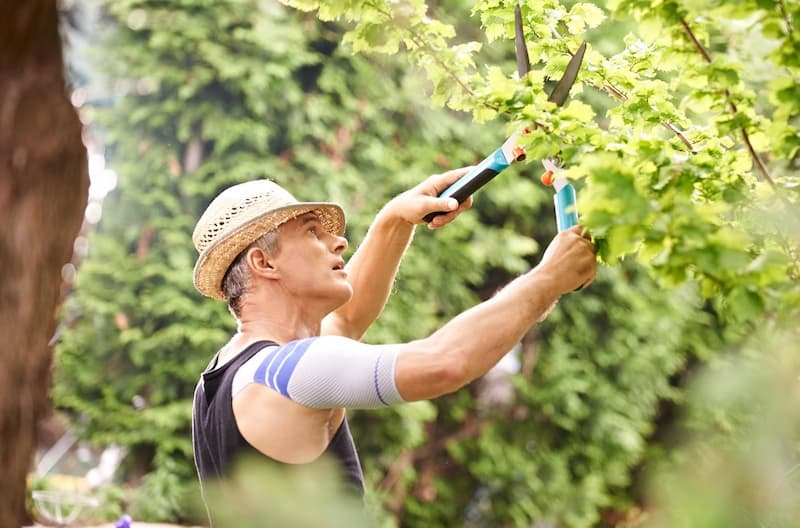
{"points": [[325, 372]]}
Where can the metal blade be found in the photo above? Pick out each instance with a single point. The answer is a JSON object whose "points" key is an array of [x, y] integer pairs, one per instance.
{"points": [[561, 91], [523, 62]]}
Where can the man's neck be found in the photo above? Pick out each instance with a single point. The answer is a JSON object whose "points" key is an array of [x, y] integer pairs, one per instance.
{"points": [[258, 325], [280, 319], [253, 329]]}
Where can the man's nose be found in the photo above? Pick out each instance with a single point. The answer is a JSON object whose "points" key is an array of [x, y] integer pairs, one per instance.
{"points": [[339, 244]]}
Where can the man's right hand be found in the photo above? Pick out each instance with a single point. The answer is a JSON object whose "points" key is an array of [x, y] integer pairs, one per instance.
{"points": [[416, 203], [570, 260]]}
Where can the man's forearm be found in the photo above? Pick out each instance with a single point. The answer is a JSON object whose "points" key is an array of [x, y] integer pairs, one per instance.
{"points": [[482, 335], [372, 270], [373, 267], [473, 342]]}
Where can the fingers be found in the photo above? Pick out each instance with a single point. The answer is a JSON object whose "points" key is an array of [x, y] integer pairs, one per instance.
{"points": [[444, 219], [580, 231], [432, 187], [440, 182], [431, 204], [572, 255], [591, 271], [583, 233]]}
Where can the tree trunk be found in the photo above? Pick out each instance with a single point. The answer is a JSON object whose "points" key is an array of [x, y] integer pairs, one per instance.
{"points": [[43, 193]]}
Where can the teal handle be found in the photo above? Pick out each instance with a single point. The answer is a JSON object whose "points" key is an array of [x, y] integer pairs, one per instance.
{"points": [[490, 167], [566, 207]]}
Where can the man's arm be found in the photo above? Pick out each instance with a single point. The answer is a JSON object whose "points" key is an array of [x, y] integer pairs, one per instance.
{"points": [[330, 371], [373, 267], [470, 344]]}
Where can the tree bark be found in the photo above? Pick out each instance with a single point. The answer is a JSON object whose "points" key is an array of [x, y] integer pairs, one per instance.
{"points": [[43, 192]]}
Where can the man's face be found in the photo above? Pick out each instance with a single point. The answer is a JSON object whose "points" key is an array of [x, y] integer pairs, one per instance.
{"points": [[310, 261]]}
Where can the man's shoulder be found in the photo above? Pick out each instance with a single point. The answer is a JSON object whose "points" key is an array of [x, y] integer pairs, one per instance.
{"points": [[241, 351]]}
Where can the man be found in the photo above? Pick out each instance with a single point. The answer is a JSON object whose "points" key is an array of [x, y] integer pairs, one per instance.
{"points": [[280, 386]]}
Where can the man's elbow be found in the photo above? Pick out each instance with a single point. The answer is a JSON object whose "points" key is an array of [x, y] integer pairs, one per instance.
{"points": [[453, 376], [431, 374], [452, 372]]}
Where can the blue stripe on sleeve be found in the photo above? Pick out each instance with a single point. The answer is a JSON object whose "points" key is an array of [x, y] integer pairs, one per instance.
{"points": [[286, 370], [261, 372], [275, 364]]}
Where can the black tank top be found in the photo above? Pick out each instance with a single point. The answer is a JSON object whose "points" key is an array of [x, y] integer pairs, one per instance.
{"points": [[217, 440]]}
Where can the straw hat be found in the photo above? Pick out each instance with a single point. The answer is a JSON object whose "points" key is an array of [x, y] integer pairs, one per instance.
{"points": [[238, 217]]}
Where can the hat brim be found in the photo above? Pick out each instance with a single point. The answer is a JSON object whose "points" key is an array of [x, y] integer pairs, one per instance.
{"points": [[214, 261]]}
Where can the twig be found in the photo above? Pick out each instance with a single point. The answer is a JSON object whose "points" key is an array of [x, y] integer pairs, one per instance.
{"points": [[617, 93], [793, 275], [745, 136], [620, 95], [422, 43], [786, 18], [471, 428], [698, 46], [672, 128]]}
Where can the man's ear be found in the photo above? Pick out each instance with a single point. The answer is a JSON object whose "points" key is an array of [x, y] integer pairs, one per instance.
{"points": [[261, 263]]}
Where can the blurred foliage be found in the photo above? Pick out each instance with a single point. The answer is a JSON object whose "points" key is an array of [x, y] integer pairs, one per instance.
{"points": [[112, 501], [35, 483], [239, 502], [739, 459], [202, 94]]}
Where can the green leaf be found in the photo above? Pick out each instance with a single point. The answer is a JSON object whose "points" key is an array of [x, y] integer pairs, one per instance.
{"points": [[578, 110]]}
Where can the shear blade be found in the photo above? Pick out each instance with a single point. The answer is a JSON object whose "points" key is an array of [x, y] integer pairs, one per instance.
{"points": [[564, 85], [523, 62]]}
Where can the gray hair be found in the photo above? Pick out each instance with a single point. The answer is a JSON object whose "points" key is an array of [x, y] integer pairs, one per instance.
{"points": [[236, 281]]}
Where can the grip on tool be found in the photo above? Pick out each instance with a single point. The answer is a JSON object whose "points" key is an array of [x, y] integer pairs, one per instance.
{"points": [[566, 207], [480, 175]]}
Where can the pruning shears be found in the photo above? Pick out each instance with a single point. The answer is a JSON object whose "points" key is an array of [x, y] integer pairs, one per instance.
{"points": [[565, 198], [510, 152]]}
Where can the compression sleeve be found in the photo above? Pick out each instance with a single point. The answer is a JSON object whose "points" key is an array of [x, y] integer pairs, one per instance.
{"points": [[325, 372]]}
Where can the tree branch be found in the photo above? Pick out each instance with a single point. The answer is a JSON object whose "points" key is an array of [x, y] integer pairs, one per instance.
{"points": [[470, 428], [762, 169], [620, 95], [672, 128], [422, 43]]}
